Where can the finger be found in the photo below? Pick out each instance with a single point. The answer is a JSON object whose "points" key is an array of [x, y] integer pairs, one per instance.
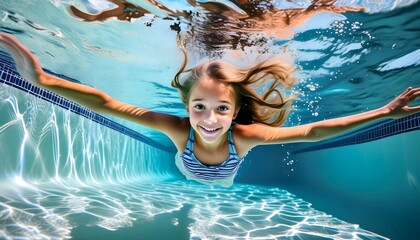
{"points": [[9, 42], [414, 109], [19, 51], [2, 34], [415, 93], [403, 94], [13, 44], [18, 46], [11, 47], [412, 90], [22, 56], [15, 52]]}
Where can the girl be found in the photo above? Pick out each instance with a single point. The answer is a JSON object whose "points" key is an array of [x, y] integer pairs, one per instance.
{"points": [[210, 145]]}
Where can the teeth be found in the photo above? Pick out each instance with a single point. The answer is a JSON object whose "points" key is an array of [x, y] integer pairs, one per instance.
{"points": [[210, 129]]}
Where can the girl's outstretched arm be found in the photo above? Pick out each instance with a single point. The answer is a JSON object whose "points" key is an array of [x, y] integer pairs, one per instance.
{"points": [[395, 109], [30, 69], [256, 134]]}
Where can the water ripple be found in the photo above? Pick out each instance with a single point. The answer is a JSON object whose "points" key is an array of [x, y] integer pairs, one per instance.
{"points": [[51, 210]]}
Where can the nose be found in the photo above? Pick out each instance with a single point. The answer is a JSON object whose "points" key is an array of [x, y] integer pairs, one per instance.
{"points": [[211, 119]]}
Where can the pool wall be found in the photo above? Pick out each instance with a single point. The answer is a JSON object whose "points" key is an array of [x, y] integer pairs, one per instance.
{"points": [[46, 137]]}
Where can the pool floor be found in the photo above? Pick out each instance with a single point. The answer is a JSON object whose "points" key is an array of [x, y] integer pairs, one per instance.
{"points": [[164, 210]]}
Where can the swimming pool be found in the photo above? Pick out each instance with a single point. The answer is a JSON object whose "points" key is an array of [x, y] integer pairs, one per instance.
{"points": [[67, 172]]}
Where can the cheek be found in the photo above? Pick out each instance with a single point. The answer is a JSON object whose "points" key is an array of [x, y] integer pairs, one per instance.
{"points": [[194, 116], [227, 119]]}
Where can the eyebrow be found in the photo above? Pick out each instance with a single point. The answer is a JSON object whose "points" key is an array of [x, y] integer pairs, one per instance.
{"points": [[201, 99]]}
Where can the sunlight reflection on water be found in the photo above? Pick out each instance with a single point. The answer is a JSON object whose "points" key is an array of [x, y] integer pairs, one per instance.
{"points": [[52, 210]]}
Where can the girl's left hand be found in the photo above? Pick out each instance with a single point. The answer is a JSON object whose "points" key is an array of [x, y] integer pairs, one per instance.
{"points": [[27, 64], [399, 106]]}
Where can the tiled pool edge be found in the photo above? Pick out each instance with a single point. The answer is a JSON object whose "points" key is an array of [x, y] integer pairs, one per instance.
{"points": [[10, 76], [370, 133]]}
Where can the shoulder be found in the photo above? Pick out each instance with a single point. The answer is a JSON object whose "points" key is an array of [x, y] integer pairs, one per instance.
{"points": [[243, 138], [179, 135], [255, 134], [246, 137], [249, 131]]}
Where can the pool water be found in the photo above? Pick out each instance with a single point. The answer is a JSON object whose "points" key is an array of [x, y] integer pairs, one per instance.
{"points": [[67, 173], [165, 210]]}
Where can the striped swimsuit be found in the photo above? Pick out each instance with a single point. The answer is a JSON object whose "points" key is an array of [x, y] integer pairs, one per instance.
{"points": [[221, 174]]}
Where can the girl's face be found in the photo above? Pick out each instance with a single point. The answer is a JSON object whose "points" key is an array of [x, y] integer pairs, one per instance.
{"points": [[212, 108]]}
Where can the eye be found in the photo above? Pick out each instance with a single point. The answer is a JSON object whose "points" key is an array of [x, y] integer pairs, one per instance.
{"points": [[223, 108], [199, 107]]}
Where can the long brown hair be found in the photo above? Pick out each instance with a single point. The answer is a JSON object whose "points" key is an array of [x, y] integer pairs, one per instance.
{"points": [[256, 88]]}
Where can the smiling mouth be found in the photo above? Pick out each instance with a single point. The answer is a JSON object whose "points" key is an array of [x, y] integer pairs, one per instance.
{"points": [[209, 130]]}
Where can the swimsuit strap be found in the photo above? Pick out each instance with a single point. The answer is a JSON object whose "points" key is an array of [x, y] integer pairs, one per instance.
{"points": [[232, 150], [190, 142]]}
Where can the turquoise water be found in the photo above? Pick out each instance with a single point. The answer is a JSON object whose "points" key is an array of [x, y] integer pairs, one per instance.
{"points": [[169, 210], [63, 176], [67, 177]]}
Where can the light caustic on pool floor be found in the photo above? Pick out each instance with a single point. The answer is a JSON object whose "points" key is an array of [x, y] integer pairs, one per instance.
{"points": [[241, 212]]}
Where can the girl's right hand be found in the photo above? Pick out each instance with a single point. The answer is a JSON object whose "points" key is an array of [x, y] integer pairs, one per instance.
{"points": [[27, 64]]}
